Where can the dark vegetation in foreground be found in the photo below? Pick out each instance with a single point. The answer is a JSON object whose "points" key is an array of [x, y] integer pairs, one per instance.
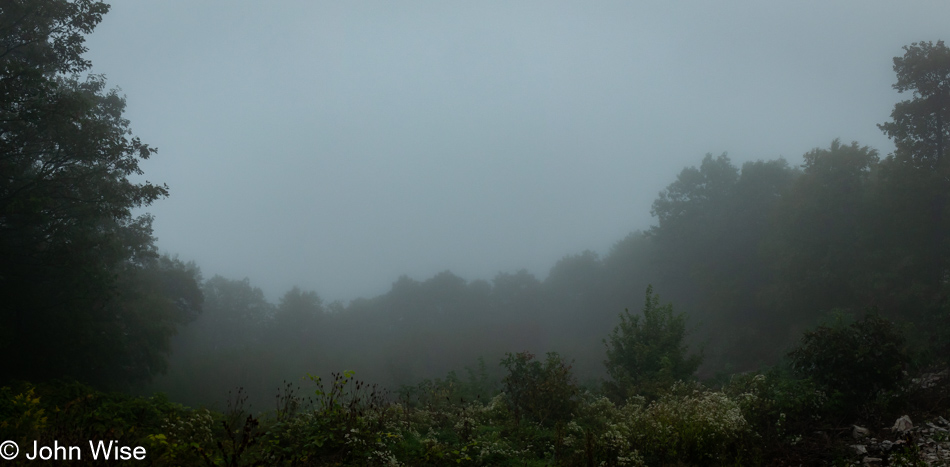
{"points": [[800, 412], [819, 295]]}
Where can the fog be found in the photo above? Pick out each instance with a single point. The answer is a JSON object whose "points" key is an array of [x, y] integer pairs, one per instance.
{"points": [[337, 146], [490, 233]]}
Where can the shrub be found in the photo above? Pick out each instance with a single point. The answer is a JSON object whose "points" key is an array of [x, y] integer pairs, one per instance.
{"points": [[342, 420], [855, 362], [689, 424], [21, 414], [646, 357], [779, 407], [545, 393], [438, 392], [596, 436]]}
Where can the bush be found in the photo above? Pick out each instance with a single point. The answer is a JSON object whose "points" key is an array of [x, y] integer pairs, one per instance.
{"points": [[342, 420], [545, 393], [779, 407], [646, 357], [72, 414], [855, 363], [690, 424], [22, 416], [438, 392]]}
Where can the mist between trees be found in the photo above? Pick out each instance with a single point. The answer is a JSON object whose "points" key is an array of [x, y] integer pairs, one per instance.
{"points": [[752, 256]]}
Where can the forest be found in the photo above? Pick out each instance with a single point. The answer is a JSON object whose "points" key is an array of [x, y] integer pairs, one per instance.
{"points": [[781, 312]]}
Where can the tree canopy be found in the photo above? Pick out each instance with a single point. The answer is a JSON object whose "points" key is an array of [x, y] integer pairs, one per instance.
{"points": [[76, 257], [921, 126]]}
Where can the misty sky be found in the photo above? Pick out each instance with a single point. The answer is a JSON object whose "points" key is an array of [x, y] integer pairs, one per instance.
{"points": [[338, 145]]}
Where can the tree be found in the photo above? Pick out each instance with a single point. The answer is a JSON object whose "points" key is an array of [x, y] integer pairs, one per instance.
{"points": [[68, 238], [235, 313], [694, 228], [516, 296], [545, 393], [822, 240], [298, 312], [713, 221], [696, 194], [647, 356], [921, 126], [915, 180], [151, 299]]}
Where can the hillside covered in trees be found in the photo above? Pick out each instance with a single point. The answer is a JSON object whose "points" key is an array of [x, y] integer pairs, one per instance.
{"points": [[772, 307]]}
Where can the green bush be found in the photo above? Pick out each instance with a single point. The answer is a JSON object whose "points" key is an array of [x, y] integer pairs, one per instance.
{"points": [[779, 407], [690, 424], [345, 419], [597, 436], [72, 414], [855, 363], [22, 416], [545, 393], [646, 357], [438, 392]]}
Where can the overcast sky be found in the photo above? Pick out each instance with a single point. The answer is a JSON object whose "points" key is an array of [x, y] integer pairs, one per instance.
{"points": [[338, 145]]}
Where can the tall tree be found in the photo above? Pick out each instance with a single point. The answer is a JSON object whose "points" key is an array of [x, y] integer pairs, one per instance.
{"points": [[67, 232], [821, 242], [915, 179], [921, 126], [234, 314], [298, 312]]}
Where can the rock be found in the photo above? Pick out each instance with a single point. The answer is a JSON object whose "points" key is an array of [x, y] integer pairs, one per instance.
{"points": [[903, 425], [886, 445], [873, 460], [859, 432], [859, 449]]}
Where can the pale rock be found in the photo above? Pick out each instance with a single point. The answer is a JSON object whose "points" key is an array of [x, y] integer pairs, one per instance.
{"points": [[903, 425], [935, 428], [859, 432], [859, 449]]}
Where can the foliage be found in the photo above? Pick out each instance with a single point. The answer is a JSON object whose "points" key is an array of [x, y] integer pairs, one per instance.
{"points": [[342, 420], [921, 126], [478, 386], [78, 264], [649, 356], [21, 413], [696, 192], [757, 419], [298, 313], [821, 243], [688, 424], [545, 393], [183, 437], [915, 195], [72, 414], [778, 406], [853, 362]]}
